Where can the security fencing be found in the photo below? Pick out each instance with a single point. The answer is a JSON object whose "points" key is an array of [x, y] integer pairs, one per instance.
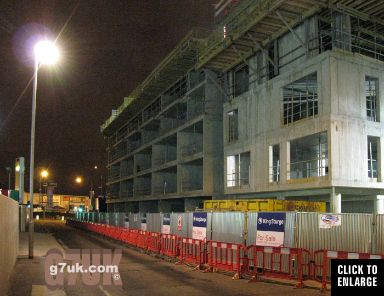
{"points": [[363, 233]]}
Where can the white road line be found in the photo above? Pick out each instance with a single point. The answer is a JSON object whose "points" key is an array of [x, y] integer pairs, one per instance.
{"points": [[104, 291], [40, 290], [61, 243]]}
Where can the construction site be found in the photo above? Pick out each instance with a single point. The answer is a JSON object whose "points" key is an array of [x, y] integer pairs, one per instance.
{"points": [[282, 101]]}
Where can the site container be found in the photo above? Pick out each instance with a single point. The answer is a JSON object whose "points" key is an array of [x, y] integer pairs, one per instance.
{"points": [[264, 205]]}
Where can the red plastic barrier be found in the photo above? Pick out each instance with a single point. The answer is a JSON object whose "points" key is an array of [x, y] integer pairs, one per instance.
{"points": [[132, 238], [192, 251], [322, 261], [289, 263], [169, 245], [225, 256], [142, 239], [154, 242]]}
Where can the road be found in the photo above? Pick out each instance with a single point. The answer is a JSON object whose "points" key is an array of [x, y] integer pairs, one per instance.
{"points": [[141, 274]]}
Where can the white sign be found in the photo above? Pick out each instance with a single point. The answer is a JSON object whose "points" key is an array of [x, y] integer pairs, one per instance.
{"points": [[199, 226], [327, 221], [270, 229], [166, 226], [179, 223], [143, 227]]}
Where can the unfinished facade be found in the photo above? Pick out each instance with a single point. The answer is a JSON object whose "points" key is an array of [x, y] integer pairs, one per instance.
{"points": [[294, 96]]}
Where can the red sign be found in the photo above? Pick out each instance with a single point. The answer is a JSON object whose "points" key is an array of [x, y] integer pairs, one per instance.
{"points": [[179, 223]]}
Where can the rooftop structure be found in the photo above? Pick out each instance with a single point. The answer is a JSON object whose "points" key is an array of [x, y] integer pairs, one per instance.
{"points": [[290, 103]]}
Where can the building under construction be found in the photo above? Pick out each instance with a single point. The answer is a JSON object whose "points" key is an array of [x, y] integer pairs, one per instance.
{"points": [[282, 100]]}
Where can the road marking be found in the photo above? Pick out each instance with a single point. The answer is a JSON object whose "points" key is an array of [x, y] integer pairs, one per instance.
{"points": [[40, 290], [104, 291]]}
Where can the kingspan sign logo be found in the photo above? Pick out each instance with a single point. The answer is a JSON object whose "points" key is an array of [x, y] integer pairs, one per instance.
{"points": [[200, 219]]}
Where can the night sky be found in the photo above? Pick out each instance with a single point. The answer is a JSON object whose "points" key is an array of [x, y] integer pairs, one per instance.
{"points": [[108, 48]]}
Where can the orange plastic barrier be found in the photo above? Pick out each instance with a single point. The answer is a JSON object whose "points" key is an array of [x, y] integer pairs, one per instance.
{"points": [[169, 245], [154, 243], [192, 251], [280, 262], [322, 262], [142, 240], [225, 256]]}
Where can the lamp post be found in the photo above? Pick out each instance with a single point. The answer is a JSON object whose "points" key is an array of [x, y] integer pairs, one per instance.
{"points": [[43, 174], [45, 52]]}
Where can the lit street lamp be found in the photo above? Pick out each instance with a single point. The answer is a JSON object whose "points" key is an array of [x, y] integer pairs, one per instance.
{"points": [[79, 180], [45, 52], [44, 175]]}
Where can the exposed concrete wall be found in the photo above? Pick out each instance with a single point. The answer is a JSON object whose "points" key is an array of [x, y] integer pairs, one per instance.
{"points": [[9, 242], [342, 114]]}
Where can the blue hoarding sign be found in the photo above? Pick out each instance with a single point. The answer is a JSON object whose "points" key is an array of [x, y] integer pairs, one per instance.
{"points": [[199, 223], [270, 229], [200, 219]]}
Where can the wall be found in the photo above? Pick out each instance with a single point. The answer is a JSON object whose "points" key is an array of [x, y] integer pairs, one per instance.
{"points": [[342, 113], [9, 243]]}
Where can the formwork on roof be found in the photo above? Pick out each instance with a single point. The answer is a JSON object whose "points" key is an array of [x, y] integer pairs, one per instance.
{"points": [[253, 24]]}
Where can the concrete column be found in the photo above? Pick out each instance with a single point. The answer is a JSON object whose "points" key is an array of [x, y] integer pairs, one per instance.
{"points": [[335, 201], [285, 159], [379, 204], [341, 35]]}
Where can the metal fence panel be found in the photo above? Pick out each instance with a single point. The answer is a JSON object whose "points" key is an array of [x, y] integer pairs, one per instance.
{"points": [[228, 227], [379, 234], [182, 219], [353, 235], [252, 227], [135, 220], [154, 221]]}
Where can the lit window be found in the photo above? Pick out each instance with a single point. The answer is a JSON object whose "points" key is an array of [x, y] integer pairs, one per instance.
{"points": [[238, 168], [372, 157], [371, 96], [233, 128]]}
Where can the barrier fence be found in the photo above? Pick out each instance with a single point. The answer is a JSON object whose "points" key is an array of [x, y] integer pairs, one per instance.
{"points": [[242, 261], [359, 233]]}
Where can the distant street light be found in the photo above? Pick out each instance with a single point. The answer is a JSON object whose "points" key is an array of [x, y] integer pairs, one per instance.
{"points": [[79, 180], [44, 175], [45, 52]]}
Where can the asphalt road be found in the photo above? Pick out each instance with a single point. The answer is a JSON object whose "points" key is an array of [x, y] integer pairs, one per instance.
{"points": [[141, 274]]}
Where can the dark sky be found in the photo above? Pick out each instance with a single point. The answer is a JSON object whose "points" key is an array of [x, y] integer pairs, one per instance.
{"points": [[108, 47]]}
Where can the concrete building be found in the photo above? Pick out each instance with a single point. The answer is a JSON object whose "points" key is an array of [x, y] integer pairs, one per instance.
{"points": [[292, 109]]}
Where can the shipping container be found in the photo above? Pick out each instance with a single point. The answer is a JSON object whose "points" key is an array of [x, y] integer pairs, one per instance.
{"points": [[264, 205]]}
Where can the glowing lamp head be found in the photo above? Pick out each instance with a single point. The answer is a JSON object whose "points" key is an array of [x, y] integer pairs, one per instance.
{"points": [[44, 173], [46, 52], [17, 168], [78, 180]]}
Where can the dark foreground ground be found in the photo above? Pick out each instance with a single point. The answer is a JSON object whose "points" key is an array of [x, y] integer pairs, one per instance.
{"points": [[141, 274]]}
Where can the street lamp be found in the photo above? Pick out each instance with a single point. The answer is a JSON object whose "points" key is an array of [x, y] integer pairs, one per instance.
{"points": [[45, 52], [79, 180], [44, 175]]}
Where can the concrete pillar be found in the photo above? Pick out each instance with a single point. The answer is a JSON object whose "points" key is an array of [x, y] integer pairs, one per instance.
{"points": [[379, 204], [285, 159], [335, 201], [341, 34]]}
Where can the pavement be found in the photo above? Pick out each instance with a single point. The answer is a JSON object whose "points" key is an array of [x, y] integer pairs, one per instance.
{"points": [[141, 274]]}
